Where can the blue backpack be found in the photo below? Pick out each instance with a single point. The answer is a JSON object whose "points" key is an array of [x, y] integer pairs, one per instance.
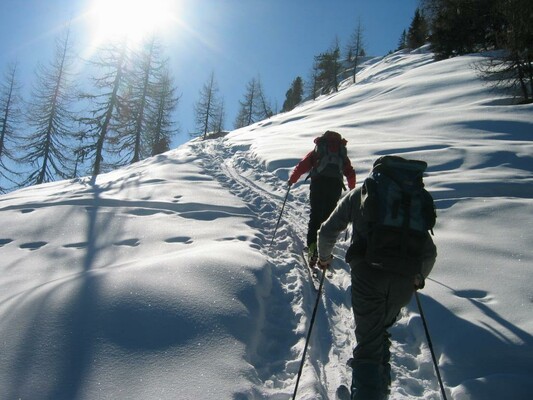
{"points": [[399, 213]]}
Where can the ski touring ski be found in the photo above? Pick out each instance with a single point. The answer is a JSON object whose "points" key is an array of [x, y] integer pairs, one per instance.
{"points": [[314, 272]]}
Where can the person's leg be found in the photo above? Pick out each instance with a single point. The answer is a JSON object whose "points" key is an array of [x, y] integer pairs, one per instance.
{"points": [[324, 195], [366, 383], [315, 199], [332, 194], [400, 292], [369, 300], [386, 379], [377, 298]]}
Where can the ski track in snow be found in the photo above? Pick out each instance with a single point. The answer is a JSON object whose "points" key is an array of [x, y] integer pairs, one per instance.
{"points": [[288, 302]]}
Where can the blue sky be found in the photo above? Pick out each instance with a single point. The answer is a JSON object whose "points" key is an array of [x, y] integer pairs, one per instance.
{"points": [[236, 39]]}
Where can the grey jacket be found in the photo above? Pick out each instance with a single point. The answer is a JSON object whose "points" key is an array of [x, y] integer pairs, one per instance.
{"points": [[349, 211]]}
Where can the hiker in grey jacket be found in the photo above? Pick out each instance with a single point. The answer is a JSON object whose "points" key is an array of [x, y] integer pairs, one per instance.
{"points": [[377, 298]]}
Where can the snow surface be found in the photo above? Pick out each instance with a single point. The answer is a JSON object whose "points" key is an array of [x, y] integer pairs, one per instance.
{"points": [[157, 280]]}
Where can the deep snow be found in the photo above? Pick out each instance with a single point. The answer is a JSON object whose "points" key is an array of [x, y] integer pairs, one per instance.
{"points": [[157, 280]]}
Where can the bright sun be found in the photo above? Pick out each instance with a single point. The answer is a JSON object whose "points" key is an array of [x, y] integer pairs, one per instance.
{"points": [[133, 20]]}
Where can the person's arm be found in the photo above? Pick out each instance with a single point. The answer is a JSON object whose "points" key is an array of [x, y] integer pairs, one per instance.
{"points": [[302, 167], [336, 223], [349, 173], [429, 257]]}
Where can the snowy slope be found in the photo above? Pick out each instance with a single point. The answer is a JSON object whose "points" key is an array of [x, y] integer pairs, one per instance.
{"points": [[157, 281]]}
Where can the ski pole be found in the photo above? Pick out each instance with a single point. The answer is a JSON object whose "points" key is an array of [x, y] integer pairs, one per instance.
{"points": [[428, 337], [309, 334], [279, 218]]}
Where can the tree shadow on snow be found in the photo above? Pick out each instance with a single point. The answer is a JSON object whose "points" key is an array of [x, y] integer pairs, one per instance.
{"points": [[61, 317]]}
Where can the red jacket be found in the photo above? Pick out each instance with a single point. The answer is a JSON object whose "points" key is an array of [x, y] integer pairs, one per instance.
{"points": [[311, 160]]}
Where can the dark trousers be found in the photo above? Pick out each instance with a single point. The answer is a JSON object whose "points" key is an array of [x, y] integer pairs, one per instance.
{"points": [[377, 298], [324, 194]]}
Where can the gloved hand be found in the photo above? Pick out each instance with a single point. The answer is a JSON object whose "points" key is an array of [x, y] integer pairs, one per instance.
{"points": [[292, 179], [325, 263], [419, 282]]}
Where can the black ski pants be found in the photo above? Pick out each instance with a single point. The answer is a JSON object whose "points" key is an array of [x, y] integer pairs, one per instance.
{"points": [[324, 194], [377, 298]]}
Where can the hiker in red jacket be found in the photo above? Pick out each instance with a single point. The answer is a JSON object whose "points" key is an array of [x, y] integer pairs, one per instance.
{"points": [[328, 163]]}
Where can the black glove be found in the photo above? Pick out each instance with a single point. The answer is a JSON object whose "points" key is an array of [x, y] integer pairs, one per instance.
{"points": [[419, 282]]}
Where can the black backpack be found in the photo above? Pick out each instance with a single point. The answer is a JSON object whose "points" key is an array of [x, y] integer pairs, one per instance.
{"points": [[399, 213]]}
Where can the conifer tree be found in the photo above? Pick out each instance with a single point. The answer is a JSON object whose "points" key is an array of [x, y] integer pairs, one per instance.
{"points": [[142, 95], [254, 107], [109, 107], [313, 85], [512, 68], [418, 31], [161, 126], [47, 148], [328, 68], [460, 26], [208, 109], [297, 90], [221, 117], [463, 26], [10, 120], [264, 109], [245, 115], [402, 42], [519, 43], [294, 95], [356, 48]]}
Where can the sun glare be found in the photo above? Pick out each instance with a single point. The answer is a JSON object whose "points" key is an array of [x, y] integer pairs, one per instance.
{"points": [[132, 20]]}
